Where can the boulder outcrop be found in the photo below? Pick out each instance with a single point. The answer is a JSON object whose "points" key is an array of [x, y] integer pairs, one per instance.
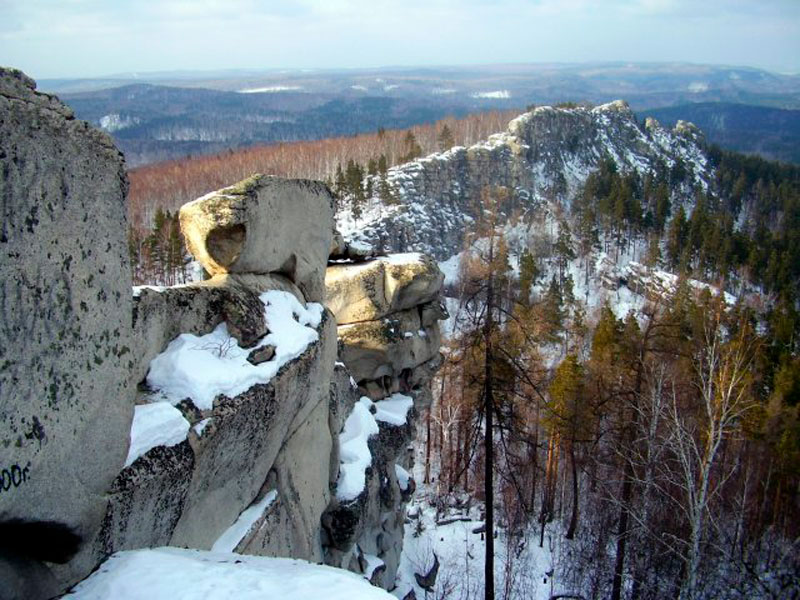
{"points": [[387, 311], [264, 225], [212, 415], [372, 289], [65, 304]]}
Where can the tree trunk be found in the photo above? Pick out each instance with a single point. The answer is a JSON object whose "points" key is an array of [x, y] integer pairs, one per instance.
{"points": [[428, 447], [488, 408], [622, 538], [573, 521]]}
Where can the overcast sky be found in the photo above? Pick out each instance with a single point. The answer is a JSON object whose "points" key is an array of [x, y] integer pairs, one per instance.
{"points": [[89, 38]]}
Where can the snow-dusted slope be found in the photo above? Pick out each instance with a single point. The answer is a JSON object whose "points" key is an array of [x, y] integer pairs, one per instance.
{"points": [[545, 155]]}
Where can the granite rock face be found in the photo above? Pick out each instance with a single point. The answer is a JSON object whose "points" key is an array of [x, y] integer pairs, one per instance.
{"points": [[264, 225], [65, 305], [372, 289], [388, 310], [253, 469]]}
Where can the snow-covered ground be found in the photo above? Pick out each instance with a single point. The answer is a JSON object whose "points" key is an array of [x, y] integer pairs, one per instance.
{"points": [[523, 570], [180, 574]]}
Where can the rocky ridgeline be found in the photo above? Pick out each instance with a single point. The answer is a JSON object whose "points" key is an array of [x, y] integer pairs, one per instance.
{"points": [[545, 155], [267, 410]]}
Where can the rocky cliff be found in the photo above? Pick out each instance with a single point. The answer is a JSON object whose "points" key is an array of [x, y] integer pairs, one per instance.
{"points": [[265, 411], [544, 156]]}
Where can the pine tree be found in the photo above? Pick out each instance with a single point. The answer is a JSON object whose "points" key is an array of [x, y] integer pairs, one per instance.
{"points": [[677, 237], [412, 148], [445, 138], [570, 417], [528, 274]]}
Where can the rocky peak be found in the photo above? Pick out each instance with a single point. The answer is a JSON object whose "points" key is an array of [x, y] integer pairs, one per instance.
{"points": [[544, 156]]}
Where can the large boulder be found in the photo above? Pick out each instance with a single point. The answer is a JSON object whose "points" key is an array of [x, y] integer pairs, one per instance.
{"points": [[370, 290], [264, 225], [385, 348], [65, 314]]}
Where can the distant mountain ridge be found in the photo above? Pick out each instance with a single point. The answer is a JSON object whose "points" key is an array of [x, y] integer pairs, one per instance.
{"points": [[169, 115]]}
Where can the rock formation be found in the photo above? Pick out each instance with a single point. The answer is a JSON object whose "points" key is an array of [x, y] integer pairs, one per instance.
{"points": [[263, 225], [387, 311], [65, 335], [545, 154], [229, 396]]}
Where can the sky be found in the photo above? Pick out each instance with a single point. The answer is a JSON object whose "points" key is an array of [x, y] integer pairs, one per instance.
{"points": [[95, 38]]}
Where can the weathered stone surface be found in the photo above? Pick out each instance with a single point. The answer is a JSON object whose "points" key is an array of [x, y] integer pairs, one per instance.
{"points": [[301, 474], [160, 316], [65, 335], [233, 459], [376, 349], [146, 500], [264, 225], [373, 522], [373, 289]]}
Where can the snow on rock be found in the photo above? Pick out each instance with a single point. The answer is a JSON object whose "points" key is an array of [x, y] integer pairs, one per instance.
{"points": [[394, 410], [158, 424], [203, 367], [200, 427], [137, 289], [234, 535], [354, 453], [403, 477], [373, 563], [173, 573], [403, 258]]}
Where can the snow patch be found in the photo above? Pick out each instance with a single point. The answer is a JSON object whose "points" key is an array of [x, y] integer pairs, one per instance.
{"points": [[373, 563], [354, 454], [200, 427], [158, 424], [234, 535], [697, 87], [116, 122], [137, 289], [203, 367], [172, 573], [404, 258], [451, 268], [394, 409], [272, 89], [495, 94], [403, 477]]}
